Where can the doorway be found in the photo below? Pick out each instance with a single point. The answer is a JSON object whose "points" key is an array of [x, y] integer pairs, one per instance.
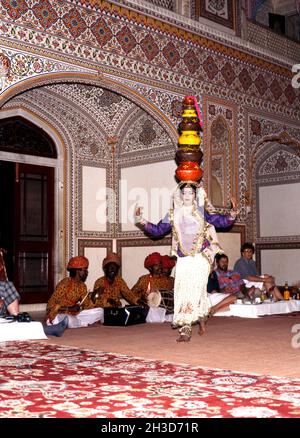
{"points": [[26, 228], [27, 213]]}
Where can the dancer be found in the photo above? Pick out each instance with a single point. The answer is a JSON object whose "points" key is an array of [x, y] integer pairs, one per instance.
{"points": [[195, 243]]}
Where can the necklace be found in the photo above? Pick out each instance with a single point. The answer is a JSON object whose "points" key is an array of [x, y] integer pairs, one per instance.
{"points": [[199, 236]]}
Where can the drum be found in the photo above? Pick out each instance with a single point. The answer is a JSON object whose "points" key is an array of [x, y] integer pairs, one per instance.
{"points": [[154, 299]]}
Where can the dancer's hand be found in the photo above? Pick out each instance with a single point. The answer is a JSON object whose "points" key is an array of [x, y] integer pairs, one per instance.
{"points": [[234, 210], [233, 203], [138, 218]]}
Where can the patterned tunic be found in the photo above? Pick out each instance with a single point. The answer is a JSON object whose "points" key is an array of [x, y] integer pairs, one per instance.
{"points": [[171, 281], [230, 282], [67, 293], [141, 288], [117, 290]]}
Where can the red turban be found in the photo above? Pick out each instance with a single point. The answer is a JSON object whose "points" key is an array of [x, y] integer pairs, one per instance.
{"points": [[79, 262], [111, 257], [152, 259], [168, 262]]}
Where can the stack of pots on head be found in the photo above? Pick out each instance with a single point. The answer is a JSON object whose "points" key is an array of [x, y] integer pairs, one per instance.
{"points": [[189, 155]]}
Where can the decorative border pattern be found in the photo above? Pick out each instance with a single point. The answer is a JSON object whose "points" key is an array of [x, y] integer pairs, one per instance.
{"points": [[121, 243], [93, 243], [193, 42], [133, 243]]}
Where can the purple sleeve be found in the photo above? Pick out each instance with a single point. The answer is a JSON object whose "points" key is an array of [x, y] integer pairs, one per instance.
{"points": [[219, 220], [163, 227]]}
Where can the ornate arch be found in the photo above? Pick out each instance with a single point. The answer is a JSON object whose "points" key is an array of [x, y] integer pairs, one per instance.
{"points": [[60, 163], [275, 160], [96, 80], [143, 131]]}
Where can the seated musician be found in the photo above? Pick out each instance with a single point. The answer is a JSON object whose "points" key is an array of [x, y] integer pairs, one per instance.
{"points": [[72, 298], [150, 284], [111, 288]]}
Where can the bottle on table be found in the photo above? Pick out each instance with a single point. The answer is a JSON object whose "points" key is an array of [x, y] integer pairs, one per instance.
{"points": [[294, 295], [286, 293]]}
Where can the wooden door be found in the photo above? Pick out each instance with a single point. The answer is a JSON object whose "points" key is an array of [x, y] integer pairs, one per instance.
{"points": [[29, 225], [34, 231], [27, 209]]}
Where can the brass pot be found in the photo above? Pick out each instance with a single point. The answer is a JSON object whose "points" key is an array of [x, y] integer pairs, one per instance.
{"points": [[189, 125], [195, 155]]}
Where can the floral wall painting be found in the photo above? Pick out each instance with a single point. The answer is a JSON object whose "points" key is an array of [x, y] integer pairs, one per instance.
{"points": [[220, 11]]}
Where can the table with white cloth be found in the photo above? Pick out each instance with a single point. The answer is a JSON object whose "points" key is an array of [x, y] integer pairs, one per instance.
{"points": [[21, 331], [265, 308]]}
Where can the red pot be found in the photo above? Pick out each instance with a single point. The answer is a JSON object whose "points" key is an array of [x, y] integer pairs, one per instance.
{"points": [[188, 100], [189, 171]]}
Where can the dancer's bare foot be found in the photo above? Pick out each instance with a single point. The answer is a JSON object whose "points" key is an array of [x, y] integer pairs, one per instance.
{"points": [[201, 330]]}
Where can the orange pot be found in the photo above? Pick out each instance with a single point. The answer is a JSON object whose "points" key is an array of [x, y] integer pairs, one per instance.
{"points": [[189, 171]]}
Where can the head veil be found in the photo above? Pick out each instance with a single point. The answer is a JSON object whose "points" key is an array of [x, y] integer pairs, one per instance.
{"points": [[202, 201], [189, 238]]}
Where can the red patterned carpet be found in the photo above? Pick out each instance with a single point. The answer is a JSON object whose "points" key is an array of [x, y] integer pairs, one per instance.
{"points": [[48, 381]]}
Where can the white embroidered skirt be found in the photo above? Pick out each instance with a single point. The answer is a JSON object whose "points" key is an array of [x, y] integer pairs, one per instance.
{"points": [[191, 301]]}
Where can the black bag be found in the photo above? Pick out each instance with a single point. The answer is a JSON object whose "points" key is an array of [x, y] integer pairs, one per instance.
{"points": [[123, 316], [20, 317]]}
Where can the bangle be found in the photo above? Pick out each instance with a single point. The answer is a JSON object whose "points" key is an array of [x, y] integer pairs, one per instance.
{"points": [[234, 212]]}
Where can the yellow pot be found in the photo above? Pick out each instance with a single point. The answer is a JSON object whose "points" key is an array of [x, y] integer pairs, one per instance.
{"points": [[189, 113], [189, 137]]}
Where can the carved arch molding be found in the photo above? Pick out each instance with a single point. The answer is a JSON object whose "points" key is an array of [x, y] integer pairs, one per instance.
{"points": [[92, 113], [276, 161]]}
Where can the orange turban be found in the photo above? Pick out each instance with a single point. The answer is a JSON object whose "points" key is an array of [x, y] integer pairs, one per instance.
{"points": [[111, 257], [168, 262], [152, 259], [79, 262]]}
